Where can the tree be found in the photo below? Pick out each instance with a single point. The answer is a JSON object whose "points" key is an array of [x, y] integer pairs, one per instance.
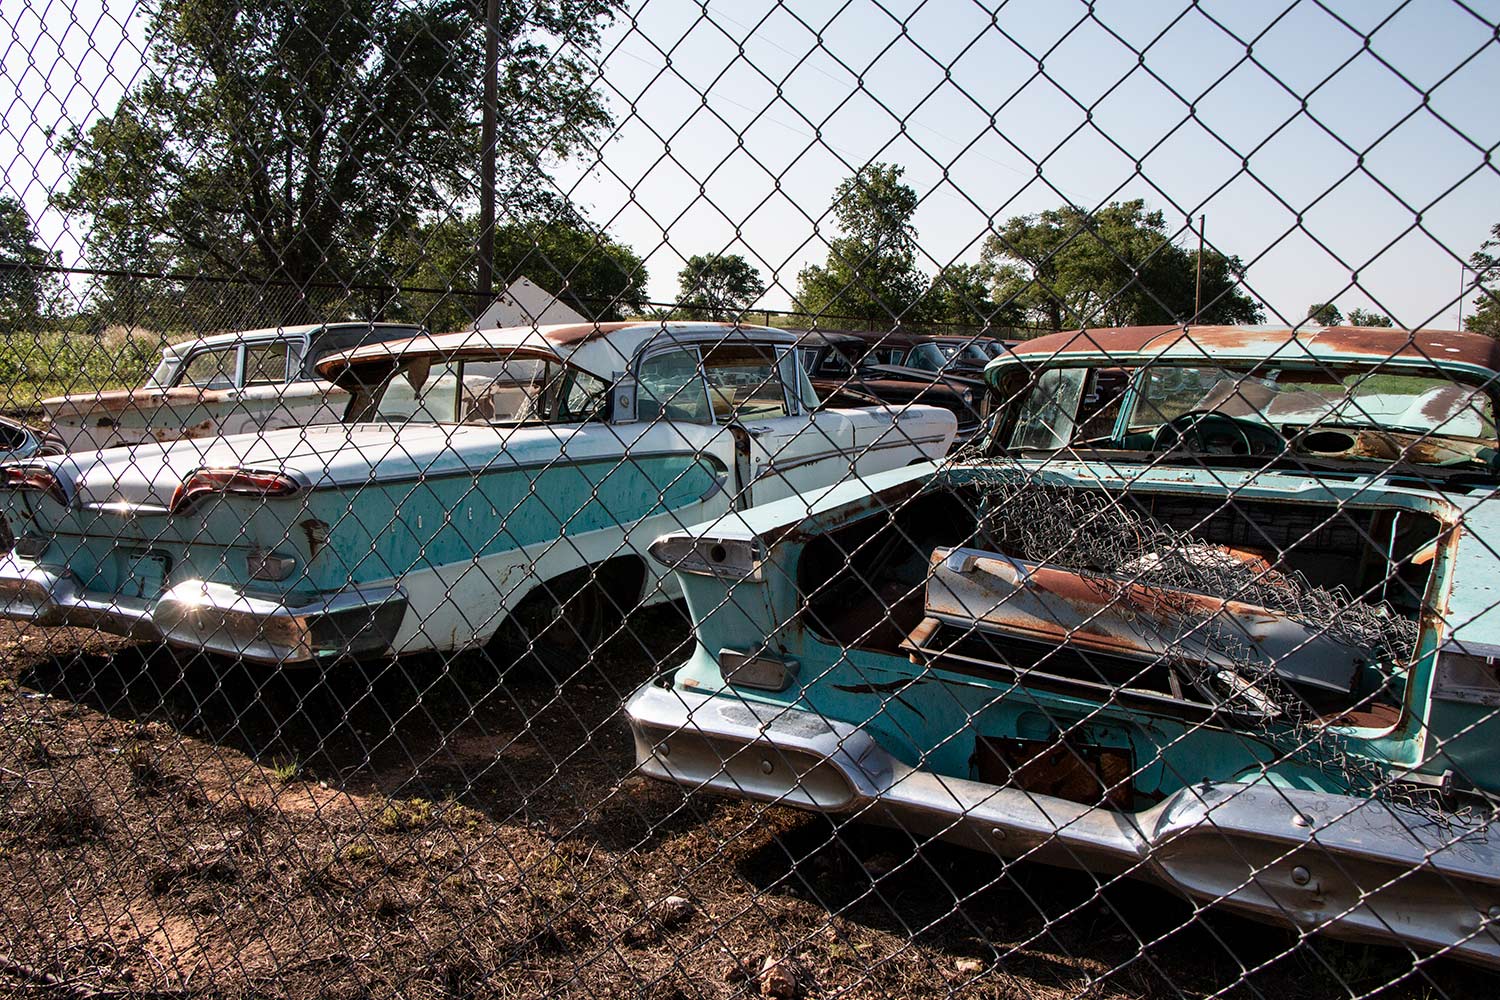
{"points": [[26, 294], [284, 139], [871, 272], [962, 295], [1486, 267], [566, 255], [717, 286], [1360, 317], [1325, 314], [580, 264], [1116, 266]]}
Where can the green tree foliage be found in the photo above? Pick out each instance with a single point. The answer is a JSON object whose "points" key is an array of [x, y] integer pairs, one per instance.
{"points": [[963, 295], [567, 256], [1325, 314], [1117, 266], [871, 272], [26, 294], [717, 286], [285, 139], [1486, 265], [1362, 317]]}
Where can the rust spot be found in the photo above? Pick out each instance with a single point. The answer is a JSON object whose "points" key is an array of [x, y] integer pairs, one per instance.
{"points": [[203, 430], [1067, 767], [317, 535], [1446, 402], [130, 400], [580, 333]]}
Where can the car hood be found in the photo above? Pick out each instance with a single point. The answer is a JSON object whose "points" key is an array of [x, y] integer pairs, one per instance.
{"points": [[324, 456]]}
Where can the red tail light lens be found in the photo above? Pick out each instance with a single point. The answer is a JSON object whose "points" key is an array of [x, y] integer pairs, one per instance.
{"points": [[245, 482], [34, 477]]}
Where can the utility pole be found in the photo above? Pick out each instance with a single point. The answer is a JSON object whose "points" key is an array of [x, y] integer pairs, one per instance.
{"points": [[486, 248], [1462, 268], [1198, 286]]}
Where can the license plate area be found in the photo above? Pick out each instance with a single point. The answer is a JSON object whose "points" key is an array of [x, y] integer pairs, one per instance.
{"points": [[145, 572]]}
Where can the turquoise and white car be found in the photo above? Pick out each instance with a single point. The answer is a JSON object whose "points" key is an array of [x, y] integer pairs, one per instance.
{"points": [[1215, 607], [478, 478]]}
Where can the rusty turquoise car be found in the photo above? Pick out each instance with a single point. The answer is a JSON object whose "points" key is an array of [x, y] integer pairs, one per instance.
{"points": [[480, 480], [1212, 607]]}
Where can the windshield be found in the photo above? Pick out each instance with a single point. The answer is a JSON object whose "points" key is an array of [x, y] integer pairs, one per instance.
{"points": [[1346, 412], [512, 390]]}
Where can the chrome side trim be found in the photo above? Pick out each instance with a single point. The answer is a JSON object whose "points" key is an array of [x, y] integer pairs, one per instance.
{"points": [[778, 468]]}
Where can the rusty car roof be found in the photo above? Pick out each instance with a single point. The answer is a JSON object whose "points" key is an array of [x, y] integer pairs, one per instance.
{"points": [[1250, 343]]}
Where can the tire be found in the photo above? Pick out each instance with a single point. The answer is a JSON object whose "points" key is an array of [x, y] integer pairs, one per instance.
{"points": [[561, 625]]}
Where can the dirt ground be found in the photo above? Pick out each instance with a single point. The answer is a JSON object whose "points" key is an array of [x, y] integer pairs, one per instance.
{"points": [[438, 828]]}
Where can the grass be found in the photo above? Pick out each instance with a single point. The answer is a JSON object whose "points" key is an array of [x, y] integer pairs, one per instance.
{"points": [[54, 362], [403, 815], [285, 770], [146, 772]]}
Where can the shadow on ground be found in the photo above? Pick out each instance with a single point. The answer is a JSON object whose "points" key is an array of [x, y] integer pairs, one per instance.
{"points": [[456, 827]]}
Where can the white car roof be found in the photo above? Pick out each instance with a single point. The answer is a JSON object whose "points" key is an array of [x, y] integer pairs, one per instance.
{"points": [[271, 332], [599, 348]]}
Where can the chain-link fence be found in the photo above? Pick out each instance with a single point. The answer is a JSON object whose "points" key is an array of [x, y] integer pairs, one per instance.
{"points": [[788, 499]]}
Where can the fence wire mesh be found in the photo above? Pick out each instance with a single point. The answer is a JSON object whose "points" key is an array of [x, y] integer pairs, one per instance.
{"points": [[787, 499]]}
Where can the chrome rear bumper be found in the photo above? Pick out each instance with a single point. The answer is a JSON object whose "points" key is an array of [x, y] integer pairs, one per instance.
{"points": [[213, 617], [1351, 867]]}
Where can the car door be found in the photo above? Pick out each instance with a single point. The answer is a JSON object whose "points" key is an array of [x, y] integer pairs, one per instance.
{"points": [[193, 404], [275, 395], [759, 392], [259, 385]]}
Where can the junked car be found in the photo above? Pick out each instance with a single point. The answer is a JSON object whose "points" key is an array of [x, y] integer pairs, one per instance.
{"points": [[228, 383], [482, 479], [846, 362], [20, 440], [1213, 607]]}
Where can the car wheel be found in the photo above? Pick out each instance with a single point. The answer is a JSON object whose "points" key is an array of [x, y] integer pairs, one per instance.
{"points": [[560, 625]]}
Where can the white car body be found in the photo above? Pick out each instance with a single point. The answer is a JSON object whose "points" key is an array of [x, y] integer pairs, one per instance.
{"points": [[232, 383], [409, 533]]}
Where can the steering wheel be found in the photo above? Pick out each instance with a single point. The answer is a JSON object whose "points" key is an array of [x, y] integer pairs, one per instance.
{"points": [[1209, 432]]}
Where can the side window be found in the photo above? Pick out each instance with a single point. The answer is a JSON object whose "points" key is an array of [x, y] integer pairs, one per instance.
{"points": [[1103, 394], [796, 376], [744, 382], [925, 357], [266, 364], [668, 387], [210, 369], [835, 364]]}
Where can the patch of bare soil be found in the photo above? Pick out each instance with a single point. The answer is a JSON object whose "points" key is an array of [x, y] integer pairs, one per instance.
{"points": [[449, 828]]}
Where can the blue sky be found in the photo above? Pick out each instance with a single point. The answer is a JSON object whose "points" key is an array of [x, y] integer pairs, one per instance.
{"points": [[737, 119]]}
